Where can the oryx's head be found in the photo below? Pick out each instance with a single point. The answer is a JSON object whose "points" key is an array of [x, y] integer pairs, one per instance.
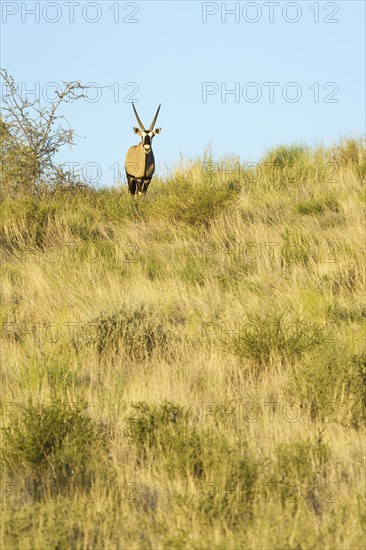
{"points": [[146, 135]]}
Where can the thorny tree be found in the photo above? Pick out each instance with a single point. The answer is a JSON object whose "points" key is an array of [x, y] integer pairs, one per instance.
{"points": [[34, 133]]}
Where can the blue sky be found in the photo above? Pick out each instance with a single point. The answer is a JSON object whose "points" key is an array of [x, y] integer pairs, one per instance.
{"points": [[176, 53]]}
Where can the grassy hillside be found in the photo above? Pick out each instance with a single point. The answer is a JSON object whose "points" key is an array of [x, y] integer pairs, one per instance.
{"points": [[187, 370]]}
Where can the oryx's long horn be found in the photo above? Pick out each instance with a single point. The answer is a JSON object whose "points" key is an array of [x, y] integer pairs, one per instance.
{"points": [[155, 117], [138, 119]]}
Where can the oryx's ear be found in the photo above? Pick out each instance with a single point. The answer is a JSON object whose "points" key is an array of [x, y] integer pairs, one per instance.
{"points": [[157, 131], [136, 130]]}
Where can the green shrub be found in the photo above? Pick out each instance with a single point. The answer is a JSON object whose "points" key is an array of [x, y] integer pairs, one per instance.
{"points": [[196, 205], [298, 468], [302, 460], [275, 333], [165, 433], [285, 155], [54, 443], [318, 206], [17, 165], [225, 475], [284, 167], [151, 426]]}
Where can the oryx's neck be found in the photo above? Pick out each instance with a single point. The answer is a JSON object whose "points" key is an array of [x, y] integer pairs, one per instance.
{"points": [[143, 155]]}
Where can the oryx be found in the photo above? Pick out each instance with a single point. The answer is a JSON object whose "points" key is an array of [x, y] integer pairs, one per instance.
{"points": [[140, 163]]}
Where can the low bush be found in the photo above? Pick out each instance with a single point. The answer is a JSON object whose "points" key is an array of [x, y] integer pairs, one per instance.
{"points": [[56, 444], [275, 333]]}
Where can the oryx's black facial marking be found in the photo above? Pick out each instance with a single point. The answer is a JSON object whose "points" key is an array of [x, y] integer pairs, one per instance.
{"points": [[147, 138]]}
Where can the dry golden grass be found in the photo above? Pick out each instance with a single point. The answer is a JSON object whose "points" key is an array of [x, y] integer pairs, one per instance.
{"points": [[212, 339]]}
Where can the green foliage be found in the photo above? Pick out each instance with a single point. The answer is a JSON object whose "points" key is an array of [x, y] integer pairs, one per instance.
{"points": [[302, 461], [299, 466], [318, 206], [56, 443], [35, 134], [18, 165], [183, 201], [284, 167], [287, 155], [152, 427], [273, 333], [165, 434], [225, 475]]}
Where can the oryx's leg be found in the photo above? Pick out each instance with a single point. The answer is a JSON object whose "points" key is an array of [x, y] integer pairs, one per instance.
{"points": [[140, 184], [131, 184], [145, 185]]}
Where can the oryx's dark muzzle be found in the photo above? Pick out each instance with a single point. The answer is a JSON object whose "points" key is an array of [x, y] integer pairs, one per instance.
{"points": [[147, 143]]}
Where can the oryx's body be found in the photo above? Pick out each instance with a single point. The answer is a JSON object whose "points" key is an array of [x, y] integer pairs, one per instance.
{"points": [[140, 162], [140, 168]]}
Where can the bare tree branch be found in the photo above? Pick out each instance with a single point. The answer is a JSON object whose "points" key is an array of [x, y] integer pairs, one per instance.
{"points": [[38, 128]]}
